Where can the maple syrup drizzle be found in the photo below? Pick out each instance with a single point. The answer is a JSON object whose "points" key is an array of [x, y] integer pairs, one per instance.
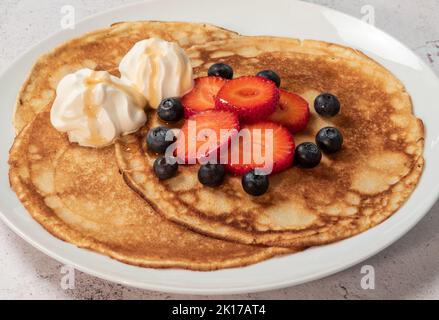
{"points": [[155, 53], [179, 71]]}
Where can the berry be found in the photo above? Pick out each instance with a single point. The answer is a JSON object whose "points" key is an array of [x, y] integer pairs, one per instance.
{"points": [[327, 105], [282, 145], [220, 70], [292, 112], [170, 109], [329, 140], [165, 168], [202, 96], [255, 185], [218, 122], [156, 139], [252, 98], [211, 175], [307, 155], [270, 75]]}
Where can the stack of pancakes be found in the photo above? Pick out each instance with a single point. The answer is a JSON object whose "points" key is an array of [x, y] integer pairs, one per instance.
{"points": [[108, 200]]}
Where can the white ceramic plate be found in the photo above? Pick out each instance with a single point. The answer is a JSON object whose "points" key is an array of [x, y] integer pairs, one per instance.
{"points": [[252, 17]]}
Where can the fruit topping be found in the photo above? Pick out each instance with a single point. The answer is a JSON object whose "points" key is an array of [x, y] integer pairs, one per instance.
{"points": [[205, 133], [327, 105], [252, 98], [170, 110], [159, 139], [165, 167], [292, 112], [220, 70], [211, 175], [307, 155], [268, 146], [255, 185], [202, 96], [270, 75], [329, 140]]}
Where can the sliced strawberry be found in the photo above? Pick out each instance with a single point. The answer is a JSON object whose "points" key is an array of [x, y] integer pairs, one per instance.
{"points": [[292, 111], [253, 98], [282, 144], [202, 96], [223, 125]]}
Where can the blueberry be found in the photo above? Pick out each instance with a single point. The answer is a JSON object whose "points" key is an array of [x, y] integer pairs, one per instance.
{"points": [[329, 139], [307, 155], [255, 185], [270, 75], [170, 109], [211, 175], [165, 168], [221, 70], [327, 105], [156, 139]]}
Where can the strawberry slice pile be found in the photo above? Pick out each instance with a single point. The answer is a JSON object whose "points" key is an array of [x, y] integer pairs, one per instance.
{"points": [[270, 116]]}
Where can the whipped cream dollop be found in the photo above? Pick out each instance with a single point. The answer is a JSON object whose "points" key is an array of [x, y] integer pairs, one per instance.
{"points": [[95, 108], [158, 69]]}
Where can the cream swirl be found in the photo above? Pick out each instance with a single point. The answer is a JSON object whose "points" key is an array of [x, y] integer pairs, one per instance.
{"points": [[159, 69], [95, 108]]}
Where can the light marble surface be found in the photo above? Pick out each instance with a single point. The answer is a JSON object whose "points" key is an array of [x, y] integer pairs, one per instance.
{"points": [[409, 269]]}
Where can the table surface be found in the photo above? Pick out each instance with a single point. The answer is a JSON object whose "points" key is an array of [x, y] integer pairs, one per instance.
{"points": [[409, 269]]}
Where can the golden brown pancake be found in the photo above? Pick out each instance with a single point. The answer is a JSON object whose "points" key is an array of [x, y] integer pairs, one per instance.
{"points": [[78, 194], [349, 192], [101, 50]]}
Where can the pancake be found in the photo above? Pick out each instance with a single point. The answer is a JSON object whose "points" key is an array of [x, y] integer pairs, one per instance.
{"points": [[349, 192], [77, 194], [100, 50]]}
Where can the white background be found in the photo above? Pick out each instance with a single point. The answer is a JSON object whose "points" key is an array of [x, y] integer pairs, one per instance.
{"points": [[407, 269]]}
